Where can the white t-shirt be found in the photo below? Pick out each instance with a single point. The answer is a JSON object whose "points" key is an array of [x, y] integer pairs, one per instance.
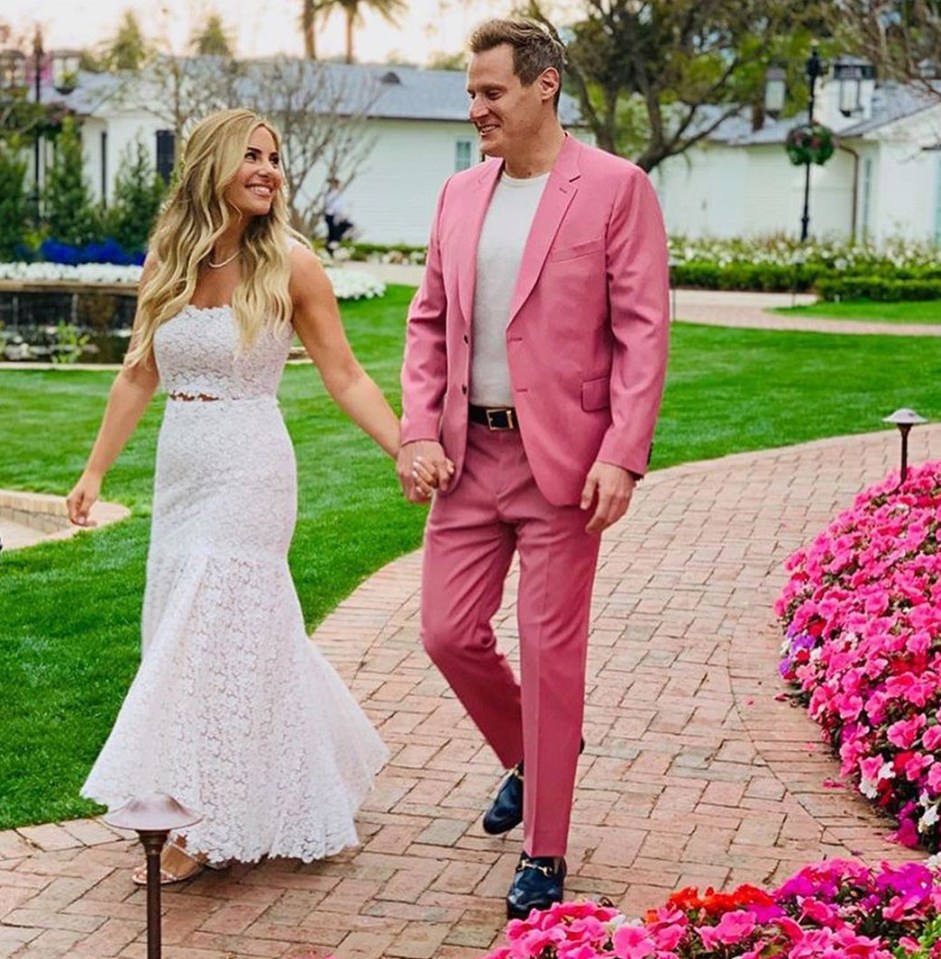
{"points": [[499, 253]]}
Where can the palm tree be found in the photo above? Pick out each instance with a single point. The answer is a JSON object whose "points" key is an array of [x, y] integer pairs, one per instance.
{"points": [[309, 11], [389, 10], [353, 10]]}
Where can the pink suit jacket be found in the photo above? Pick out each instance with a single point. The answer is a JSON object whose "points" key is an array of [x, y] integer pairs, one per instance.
{"points": [[588, 329]]}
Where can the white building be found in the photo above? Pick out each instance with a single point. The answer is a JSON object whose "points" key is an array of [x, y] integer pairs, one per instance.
{"points": [[883, 181], [417, 124]]}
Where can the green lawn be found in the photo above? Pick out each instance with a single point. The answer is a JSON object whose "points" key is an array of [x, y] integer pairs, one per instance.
{"points": [[69, 611], [915, 311]]}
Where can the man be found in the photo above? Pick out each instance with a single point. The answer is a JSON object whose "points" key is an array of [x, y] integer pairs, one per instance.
{"points": [[534, 364], [335, 216]]}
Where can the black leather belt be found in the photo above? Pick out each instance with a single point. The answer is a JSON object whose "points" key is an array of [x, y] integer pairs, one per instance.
{"points": [[498, 418]]}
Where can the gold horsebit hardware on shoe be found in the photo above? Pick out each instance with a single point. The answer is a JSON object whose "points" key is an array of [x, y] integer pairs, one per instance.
{"points": [[529, 864]]}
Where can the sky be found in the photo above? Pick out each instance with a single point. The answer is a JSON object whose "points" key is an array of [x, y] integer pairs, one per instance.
{"points": [[258, 27]]}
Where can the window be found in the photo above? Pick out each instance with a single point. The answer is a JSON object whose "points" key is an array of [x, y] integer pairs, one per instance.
{"points": [[463, 155], [166, 150]]}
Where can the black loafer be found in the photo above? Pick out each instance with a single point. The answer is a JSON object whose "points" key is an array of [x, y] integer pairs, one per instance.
{"points": [[506, 810], [538, 884]]}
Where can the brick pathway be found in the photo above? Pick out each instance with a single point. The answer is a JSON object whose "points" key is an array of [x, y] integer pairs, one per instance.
{"points": [[693, 773]]}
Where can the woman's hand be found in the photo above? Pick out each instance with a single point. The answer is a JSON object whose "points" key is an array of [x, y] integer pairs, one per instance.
{"points": [[83, 496]]}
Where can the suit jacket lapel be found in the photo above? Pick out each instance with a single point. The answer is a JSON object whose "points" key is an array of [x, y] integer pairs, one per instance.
{"points": [[560, 190], [473, 214]]}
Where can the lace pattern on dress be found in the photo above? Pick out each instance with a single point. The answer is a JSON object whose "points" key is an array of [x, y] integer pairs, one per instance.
{"points": [[233, 711]]}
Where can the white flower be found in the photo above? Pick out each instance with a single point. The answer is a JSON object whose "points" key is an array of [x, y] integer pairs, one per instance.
{"points": [[347, 284], [85, 273], [929, 819], [354, 284], [868, 788]]}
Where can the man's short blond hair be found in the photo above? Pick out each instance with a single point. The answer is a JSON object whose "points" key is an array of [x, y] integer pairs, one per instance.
{"points": [[534, 48]]}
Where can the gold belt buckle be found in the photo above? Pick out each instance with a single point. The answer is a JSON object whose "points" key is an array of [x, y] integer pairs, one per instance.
{"points": [[492, 423]]}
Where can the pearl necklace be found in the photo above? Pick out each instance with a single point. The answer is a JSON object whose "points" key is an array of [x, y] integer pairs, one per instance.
{"points": [[225, 262]]}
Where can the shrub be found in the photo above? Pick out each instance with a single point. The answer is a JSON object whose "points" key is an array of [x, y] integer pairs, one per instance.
{"points": [[881, 288], [105, 251], [12, 202], [783, 264], [71, 217], [138, 193], [862, 618]]}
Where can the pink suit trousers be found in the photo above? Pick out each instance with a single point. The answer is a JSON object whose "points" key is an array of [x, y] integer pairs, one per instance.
{"points": [[470, 538]]}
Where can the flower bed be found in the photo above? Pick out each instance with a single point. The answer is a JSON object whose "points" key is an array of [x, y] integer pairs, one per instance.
{"points": [[837, 909], [347, 284], [862, 617], [782, 263]]}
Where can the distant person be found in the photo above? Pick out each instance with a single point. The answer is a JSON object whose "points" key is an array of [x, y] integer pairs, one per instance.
{"points": [[335, 215], [535, 360], [233, 711]]}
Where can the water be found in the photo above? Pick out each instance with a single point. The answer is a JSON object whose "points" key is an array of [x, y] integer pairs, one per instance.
{"points": [[62, 344]]}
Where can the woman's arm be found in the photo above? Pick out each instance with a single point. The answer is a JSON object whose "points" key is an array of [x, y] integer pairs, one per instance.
{"points": [[317, 322], [130, 395]]}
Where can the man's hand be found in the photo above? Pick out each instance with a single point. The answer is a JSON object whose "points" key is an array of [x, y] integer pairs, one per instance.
{"points": [[610, 488], [422, 467]]}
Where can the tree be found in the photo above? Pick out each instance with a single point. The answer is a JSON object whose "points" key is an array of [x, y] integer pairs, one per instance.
{"points": [[319, 109], [128, 49], [654, 77], [181, 91], [321, 112], [12, 200], [212, 40], [353, 11], [439, 60], [138, 193], [901, 37], [309, 14], [70, 213]]}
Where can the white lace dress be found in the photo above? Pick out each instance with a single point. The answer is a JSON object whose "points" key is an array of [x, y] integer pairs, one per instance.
{"points": [[233, 711]]}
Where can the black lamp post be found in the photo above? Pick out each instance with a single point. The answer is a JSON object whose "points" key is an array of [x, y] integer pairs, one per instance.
{"points": [[38, 55], [62, 66], [814, 68], [904, 419], [152, 817]]}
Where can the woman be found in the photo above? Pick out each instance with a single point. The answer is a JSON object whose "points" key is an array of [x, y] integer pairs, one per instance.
{"points": [[233, 711]]}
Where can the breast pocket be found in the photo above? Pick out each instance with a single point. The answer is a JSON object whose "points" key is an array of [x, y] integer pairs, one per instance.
{"points": [[578, 250]]}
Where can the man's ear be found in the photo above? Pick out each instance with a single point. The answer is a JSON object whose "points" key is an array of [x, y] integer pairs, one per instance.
{"points": [[549, 82]]}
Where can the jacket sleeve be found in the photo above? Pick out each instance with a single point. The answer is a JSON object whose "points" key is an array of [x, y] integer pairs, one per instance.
{"points": [[425, 368], [639, 303]]}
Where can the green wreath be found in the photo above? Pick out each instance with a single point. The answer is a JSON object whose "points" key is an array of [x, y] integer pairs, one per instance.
{"points": [[809, 143]]}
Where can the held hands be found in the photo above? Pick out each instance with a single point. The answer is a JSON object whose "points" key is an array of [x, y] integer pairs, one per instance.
{"points": [[610, 487], [82, 498], [422, 467]]}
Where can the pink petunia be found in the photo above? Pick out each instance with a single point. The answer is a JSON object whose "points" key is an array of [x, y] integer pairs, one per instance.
{"points": [[632, 942]]}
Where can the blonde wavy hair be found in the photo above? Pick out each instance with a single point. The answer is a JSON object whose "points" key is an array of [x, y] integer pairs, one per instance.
{"points": [[195, 216]]}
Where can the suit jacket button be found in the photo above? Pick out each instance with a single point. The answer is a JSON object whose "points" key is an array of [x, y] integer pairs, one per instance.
{"points": [[466, 338], [464, 390]]}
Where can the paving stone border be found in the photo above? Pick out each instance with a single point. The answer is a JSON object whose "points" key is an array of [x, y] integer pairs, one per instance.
{"points": [[29, 518]]}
